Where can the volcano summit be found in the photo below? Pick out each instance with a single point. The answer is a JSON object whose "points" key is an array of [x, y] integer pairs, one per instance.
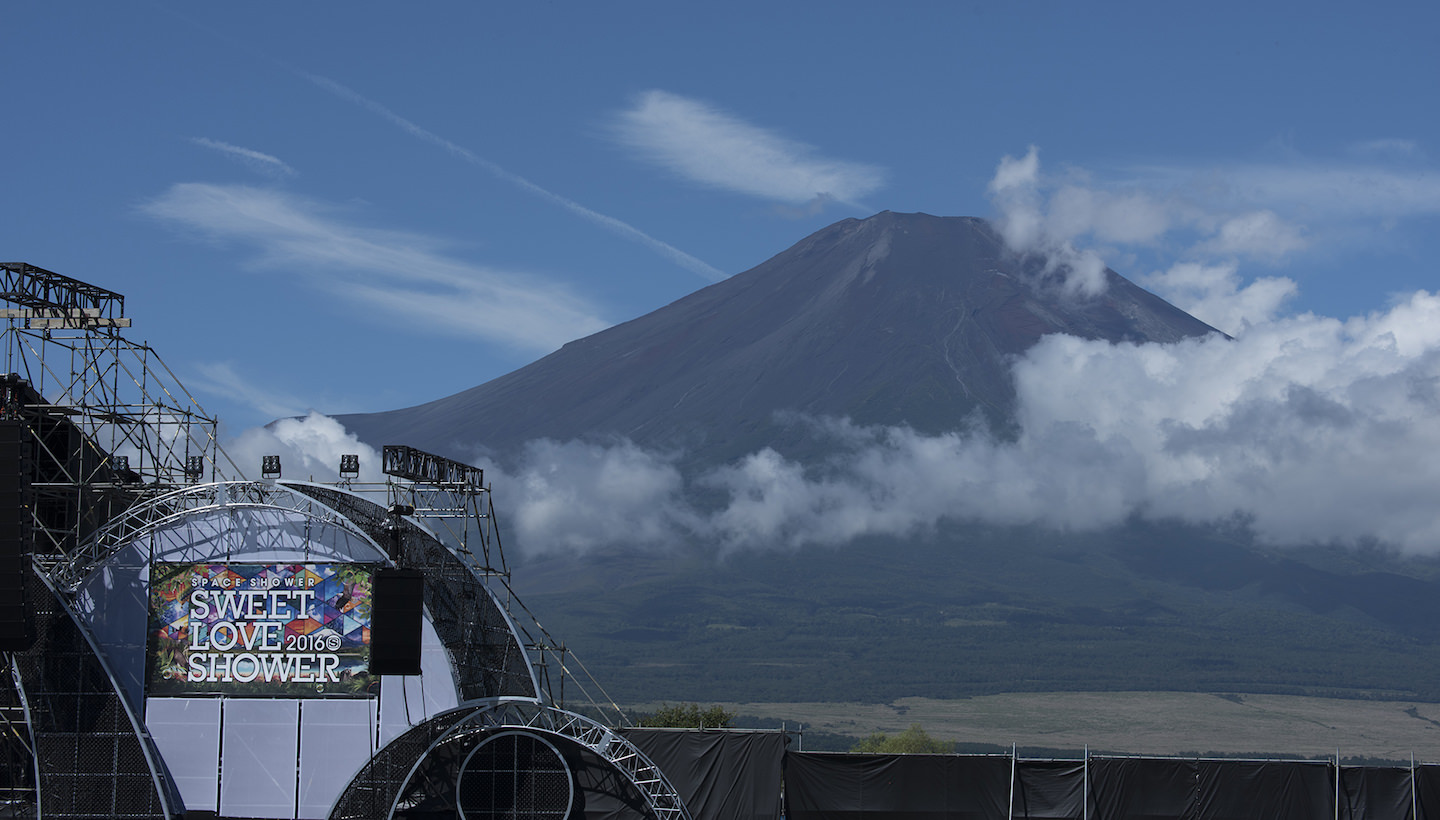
{"points": [[908, 567], [899, 319]]}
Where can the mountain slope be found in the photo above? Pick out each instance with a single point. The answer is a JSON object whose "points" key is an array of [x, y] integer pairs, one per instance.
{"points": [[910, 319], [976, 610], [896, 319]]}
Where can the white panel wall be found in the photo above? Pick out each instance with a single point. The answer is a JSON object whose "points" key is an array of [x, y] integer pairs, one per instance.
{"points": [[337, 737], [408, 701], [260, 745], [187, 732]]}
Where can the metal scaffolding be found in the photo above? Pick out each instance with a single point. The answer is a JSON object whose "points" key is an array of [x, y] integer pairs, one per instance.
{"points": [[109, 444], [110, 422]]}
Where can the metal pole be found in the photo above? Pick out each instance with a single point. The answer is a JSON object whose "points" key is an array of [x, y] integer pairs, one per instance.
{"points": [[1010, 808], [1085, 786]]}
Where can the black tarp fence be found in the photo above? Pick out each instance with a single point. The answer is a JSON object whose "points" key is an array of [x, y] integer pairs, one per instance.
{"points": [[820, 785], [719, 773], [737, 775], [823, 785]]}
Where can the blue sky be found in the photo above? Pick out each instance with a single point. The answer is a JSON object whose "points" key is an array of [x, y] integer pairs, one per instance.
{"points": [[468, 185], [363, 206]]}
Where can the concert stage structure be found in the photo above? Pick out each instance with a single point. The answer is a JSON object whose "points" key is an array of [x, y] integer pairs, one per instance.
{"points": [[179, 641]]}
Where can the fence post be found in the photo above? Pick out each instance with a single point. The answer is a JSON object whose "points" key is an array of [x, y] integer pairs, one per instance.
{"points": [[1010, 809]]}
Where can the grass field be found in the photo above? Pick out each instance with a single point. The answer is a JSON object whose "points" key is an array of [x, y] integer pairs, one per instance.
{"points": [[1140, 723]]}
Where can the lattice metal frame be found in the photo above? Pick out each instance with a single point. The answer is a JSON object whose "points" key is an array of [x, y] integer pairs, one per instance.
{"points": [[110, 421], [67, 571], [119, 448], [522, 766], [452, 499], [450, 496], [474, 626], [92, 755], [457, 564], [382, 783], [47, 294], [18, 772]]}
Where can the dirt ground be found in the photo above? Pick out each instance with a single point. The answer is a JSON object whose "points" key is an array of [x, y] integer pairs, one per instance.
{"points": [[1143, 723]]}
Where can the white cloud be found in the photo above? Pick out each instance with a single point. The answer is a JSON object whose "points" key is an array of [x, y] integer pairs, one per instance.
{"points": [[1310, 429], [1388, 147], [1268, 213], [1344, 191], [264, 163], [1131, 217], [1013, 174], [704, 144], [1312, 192], [221, 379], [1306, 428], [1027, 227], [1255, 234], [1213, 294], [400, 272], [609, 223], [572, 496], [309, 448], [1051, 218]]}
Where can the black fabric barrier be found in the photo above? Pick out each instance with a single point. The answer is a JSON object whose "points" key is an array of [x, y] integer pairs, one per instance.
{"points": [[1372, 793], [1050, 789], [1246, 790], [1427, 791], [835, 786], [720, 776], [718, 773], [1142, 788]]}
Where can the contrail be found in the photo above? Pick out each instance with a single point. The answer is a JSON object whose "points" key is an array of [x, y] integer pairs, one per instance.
{"points": [[609, 223]]}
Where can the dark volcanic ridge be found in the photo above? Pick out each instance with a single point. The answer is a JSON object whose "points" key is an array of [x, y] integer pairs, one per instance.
{"points": [[899, 319]]}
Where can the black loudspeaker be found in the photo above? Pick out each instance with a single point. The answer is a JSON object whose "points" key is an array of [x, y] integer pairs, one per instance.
{"points": [[396, 613], [17, 629]]}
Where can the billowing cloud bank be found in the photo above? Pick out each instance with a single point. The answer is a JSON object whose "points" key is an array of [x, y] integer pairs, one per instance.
{"points": [[309, 448], [1307, 429]]}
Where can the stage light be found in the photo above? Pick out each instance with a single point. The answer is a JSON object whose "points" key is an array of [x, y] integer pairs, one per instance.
{"points": [[349, 466], [402, 509], [120, 464], [269, 466], [194, 468]]}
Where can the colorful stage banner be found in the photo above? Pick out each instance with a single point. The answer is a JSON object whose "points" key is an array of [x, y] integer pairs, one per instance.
{"points": [[263, 630]]}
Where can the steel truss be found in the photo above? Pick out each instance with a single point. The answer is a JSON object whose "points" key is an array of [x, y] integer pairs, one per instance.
{"points": [[67, 571], [89, 753], [17, 741], [521, 713], [109, 421], [474, 624], [450, 496], [453, 501], [114, 447], [48, 295]]}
